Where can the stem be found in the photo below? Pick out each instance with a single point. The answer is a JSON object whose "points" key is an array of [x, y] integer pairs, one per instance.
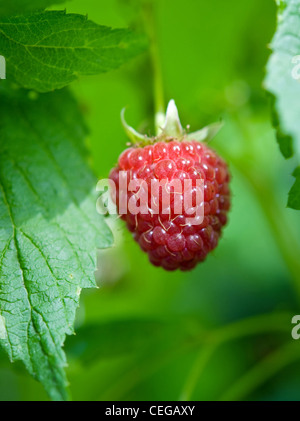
{"points": [[201, 361], [280, 227], [274, 322], [150, 27], [262, 372]]}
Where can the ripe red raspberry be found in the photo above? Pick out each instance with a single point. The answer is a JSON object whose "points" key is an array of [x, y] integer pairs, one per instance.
{"points": [[167, 237]]}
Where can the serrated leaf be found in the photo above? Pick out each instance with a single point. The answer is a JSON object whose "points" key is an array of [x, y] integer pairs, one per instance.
{"points": [[294, 194], [49, 230], [48, 50], [21, 6], [283, 76]]}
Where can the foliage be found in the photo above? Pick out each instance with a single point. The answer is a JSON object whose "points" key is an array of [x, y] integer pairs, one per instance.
{"points": [[282, 80], [222, 331], [49, 227]]}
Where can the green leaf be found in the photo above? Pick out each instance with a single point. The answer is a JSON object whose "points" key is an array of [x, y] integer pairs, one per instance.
{"points": [[48, 50], [294, 194], [285, 142], [283, 76], [49, 230], [21, 6]]}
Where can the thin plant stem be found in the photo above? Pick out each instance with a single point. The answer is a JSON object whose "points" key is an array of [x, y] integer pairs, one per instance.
{"points": [[277, 322], [202, 359], [262, 372], [158, 90], [279, 225]]}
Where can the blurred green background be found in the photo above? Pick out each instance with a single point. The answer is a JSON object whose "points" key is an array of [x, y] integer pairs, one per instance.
{"points": [[222, 331]]}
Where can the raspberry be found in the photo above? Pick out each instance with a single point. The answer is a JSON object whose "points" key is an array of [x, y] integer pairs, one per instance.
{"points": [[167, 237]]}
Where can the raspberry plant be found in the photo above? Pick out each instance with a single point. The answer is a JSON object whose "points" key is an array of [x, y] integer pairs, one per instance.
{"points": [[50, 230]]}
